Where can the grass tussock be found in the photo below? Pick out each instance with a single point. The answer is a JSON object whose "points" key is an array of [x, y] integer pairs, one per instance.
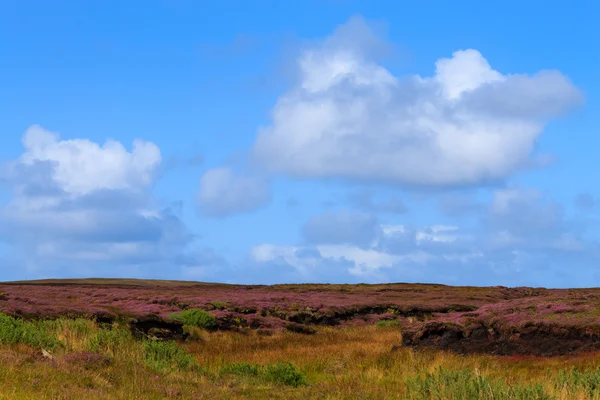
{"points": [[84, 360]]}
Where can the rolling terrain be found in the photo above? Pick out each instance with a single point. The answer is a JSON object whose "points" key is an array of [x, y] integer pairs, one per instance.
{"points": [[491, 320]]}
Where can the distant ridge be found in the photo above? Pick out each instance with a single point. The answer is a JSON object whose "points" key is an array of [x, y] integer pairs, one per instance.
{"points": [[112, 281]]}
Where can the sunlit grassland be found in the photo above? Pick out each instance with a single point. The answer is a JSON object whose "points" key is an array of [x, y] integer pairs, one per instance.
{"points": [[84, 361]]}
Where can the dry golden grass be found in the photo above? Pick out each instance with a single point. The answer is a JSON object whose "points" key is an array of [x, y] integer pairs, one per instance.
{"points": [[353, 363]]}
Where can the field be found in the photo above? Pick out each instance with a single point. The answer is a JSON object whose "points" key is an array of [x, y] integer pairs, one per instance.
{"points": [[135, 339]]}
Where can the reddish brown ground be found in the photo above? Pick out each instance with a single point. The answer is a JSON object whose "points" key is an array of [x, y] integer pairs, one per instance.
{"points": [[497, 320]]}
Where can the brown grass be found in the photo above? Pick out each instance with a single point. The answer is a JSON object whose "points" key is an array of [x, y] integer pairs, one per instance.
{"points": [[352, 363]]}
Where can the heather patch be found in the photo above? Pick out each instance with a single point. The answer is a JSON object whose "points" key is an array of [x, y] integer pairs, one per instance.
{"points": [[510, 312]]}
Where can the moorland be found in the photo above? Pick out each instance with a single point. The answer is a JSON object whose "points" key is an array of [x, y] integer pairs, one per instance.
{"points": [[137, 339]]}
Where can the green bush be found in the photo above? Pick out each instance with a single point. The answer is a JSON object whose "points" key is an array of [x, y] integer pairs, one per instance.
{"points": [[34, 334], [242, 369], [388, 323], [285, 374], [197, 317], [166, 356]]}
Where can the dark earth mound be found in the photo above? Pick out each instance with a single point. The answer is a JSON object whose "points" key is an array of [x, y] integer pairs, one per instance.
{"points": [[535, 340]]}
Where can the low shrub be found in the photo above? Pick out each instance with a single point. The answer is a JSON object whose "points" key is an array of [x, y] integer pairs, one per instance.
{"points": [[197, 317], [284, 374]]}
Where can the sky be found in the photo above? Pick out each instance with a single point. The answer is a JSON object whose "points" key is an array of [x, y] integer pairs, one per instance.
{"points": [[330, 141]]}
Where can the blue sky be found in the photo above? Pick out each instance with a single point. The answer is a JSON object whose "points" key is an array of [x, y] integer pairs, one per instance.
{"points": [[300, 141]]}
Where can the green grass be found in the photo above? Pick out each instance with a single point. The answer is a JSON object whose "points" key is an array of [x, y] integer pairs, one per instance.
{"points": [[587, 381], [34, 334], [241, 369], [465, 384], [166, 357], [108, 341], [278, 374]]}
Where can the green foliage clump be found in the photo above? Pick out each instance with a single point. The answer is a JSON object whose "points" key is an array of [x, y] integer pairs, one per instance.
{"points": [[108, 340], [465, 384], [197, 317], [285, 374], [166, 356], [242, 369], [388, 323], [34, 334], [279, 374], [219, 305]]}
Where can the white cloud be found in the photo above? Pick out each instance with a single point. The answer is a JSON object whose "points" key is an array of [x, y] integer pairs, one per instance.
{"points": [[82, 166], [521, 239], [367, 262], [77, 207], [223, 193], [349, 117]]}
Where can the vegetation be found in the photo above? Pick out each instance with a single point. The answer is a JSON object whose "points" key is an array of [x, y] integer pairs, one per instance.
{"points": [[17, 331], [166, 357], [78, 358], [285, 374], [197, 318], [109, 339], [242, 369], [219, 305], [295, 307], [388, 323]]}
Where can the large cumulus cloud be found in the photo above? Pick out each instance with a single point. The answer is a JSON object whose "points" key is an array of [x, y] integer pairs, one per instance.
{"points": [[77, 208], [349, 117]]}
